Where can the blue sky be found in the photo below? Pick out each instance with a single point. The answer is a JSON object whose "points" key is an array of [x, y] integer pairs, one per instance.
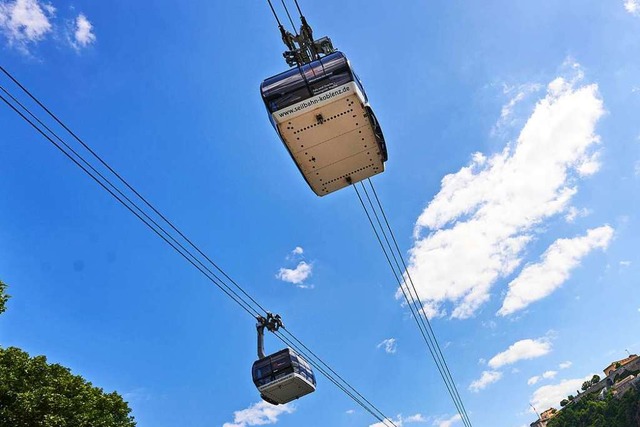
{"points": [[512, 184]]}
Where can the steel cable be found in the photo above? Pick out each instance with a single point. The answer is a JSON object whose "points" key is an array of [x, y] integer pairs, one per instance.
{"points": [[166, 236], [417, 298], [426, 332]]}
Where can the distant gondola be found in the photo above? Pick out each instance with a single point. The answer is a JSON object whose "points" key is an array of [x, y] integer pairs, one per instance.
{"points": [[284, 375]]}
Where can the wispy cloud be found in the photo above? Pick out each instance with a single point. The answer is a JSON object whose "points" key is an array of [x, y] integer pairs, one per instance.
{"points": [[400, 421], [632, 6], [258, 414], [573, 213], [25, 22], [549, 396], [416, 418], [539, 280], [521, 350], [533, 380], [565, 365], [390, 346], [487, 377], [518, 94], [83, 34], [485, 215], [448, 422], [298, 275], [546, 375], [296, 254]]}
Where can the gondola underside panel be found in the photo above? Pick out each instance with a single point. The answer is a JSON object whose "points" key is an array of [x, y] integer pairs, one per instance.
{"points": [[286, 389], [333, 144]]}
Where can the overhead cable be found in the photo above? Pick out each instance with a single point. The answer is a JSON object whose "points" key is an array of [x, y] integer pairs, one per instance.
{"points": [[412, 298], [198, 259]]}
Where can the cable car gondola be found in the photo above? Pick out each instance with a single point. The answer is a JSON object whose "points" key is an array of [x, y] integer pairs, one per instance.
{"points": [[284, 375], [322, 115]]}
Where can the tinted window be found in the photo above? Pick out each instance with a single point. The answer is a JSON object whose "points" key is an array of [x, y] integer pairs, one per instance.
{"points": [[281, 361], [301, 83]]}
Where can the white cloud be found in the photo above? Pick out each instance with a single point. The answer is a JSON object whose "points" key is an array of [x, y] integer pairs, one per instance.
{"points": [[487, 377], [24, 22], [539, 280], [548, 375], [573, 213], [416, 418], [589, 165], [297, 251], [521, 350], [485, 214], [400, 421], [83, 34], [636, 168], [390, 345], [521, 92], [625, 263], [565, 365], [632, 6], [549, 396], [448, 422], [350, 411], [298, 275], [388, 423], [258, 414]]}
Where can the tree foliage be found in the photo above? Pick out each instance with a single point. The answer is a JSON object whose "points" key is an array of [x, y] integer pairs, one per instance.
{"points": [[591, 412], [3, 297], [34, 393]]}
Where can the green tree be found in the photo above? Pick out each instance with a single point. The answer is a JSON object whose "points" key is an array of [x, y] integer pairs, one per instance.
{"points": [[586, 385], [592, 412], [564, 402], [595, 379], [34, 393], [3, 297]]}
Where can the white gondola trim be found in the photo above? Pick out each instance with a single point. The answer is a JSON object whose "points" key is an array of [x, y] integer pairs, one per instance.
{"points": [[318, 101], [273, 384]]}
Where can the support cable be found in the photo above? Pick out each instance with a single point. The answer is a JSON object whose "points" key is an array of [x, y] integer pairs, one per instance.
{"points": [[149, 220], [298, 7], [372, 409], [432, 342], [194, 260], [125, 182], [417, 297], [286, 9], [275, 15], [416, 315], [320, 361], [117, 197]]}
